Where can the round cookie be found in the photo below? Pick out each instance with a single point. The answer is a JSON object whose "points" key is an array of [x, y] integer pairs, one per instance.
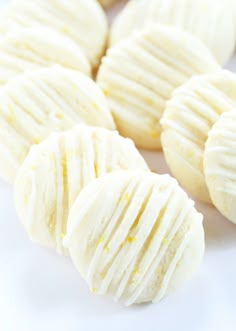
{"points": [[83, 21], [212, 21], [34, 104], [135, 236], [188, 118], [29, 49], [139, 75], [219, 164], [55, 171]]}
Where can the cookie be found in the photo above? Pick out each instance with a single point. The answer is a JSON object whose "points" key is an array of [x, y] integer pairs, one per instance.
{"points": [[139, 75], [219, 164], [83, 21], [189, 116], [211, 21], [34, 104], [135, 236], [55, 171], [29, 49]]}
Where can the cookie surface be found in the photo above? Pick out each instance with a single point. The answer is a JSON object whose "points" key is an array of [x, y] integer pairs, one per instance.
{"points": [[219, 164], [211, 21], [135, 236], [29, 49], [56, 170], [139, 75], [34, 104], [82, 21], [189, 116]]}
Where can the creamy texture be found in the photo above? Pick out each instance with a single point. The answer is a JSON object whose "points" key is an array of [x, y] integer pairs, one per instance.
{"points": [[220, 164], [188, 118], [139, 75], [135, 236], [55, 172], [29, 49], [82, 21], [212, 21], [34, 104]]}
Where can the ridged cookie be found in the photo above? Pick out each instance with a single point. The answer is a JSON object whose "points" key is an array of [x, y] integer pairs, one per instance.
{"points": [[212, 21], [82, 21], [135, 236], [139, 75], [34, 104], [55, 172], [220, 164], [29, 49], [188, 118]]}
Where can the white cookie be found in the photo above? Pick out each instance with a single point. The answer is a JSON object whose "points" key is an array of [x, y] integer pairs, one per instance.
{"points": [[135, 236], [188, 118], [83, 21], [34, 104], [139, 75], [29, 49], [212, 21], [56, 170], [220, 164]]}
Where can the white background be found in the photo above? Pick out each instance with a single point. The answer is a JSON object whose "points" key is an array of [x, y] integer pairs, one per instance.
{"points": [[41, 291]]}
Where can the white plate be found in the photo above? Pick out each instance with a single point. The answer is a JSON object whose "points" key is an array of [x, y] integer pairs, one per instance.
{"points": [[41, 291]]}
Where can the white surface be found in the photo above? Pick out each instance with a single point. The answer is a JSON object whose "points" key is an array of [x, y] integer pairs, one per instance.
{"points": [[40, 290]]}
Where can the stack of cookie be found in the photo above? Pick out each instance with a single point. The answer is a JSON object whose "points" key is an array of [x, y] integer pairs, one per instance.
{"points": [[82, 188]]}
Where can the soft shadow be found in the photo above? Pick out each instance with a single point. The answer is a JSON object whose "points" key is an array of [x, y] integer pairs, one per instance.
{"points": [[155, 161], [116, 8], [219, 232]]}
